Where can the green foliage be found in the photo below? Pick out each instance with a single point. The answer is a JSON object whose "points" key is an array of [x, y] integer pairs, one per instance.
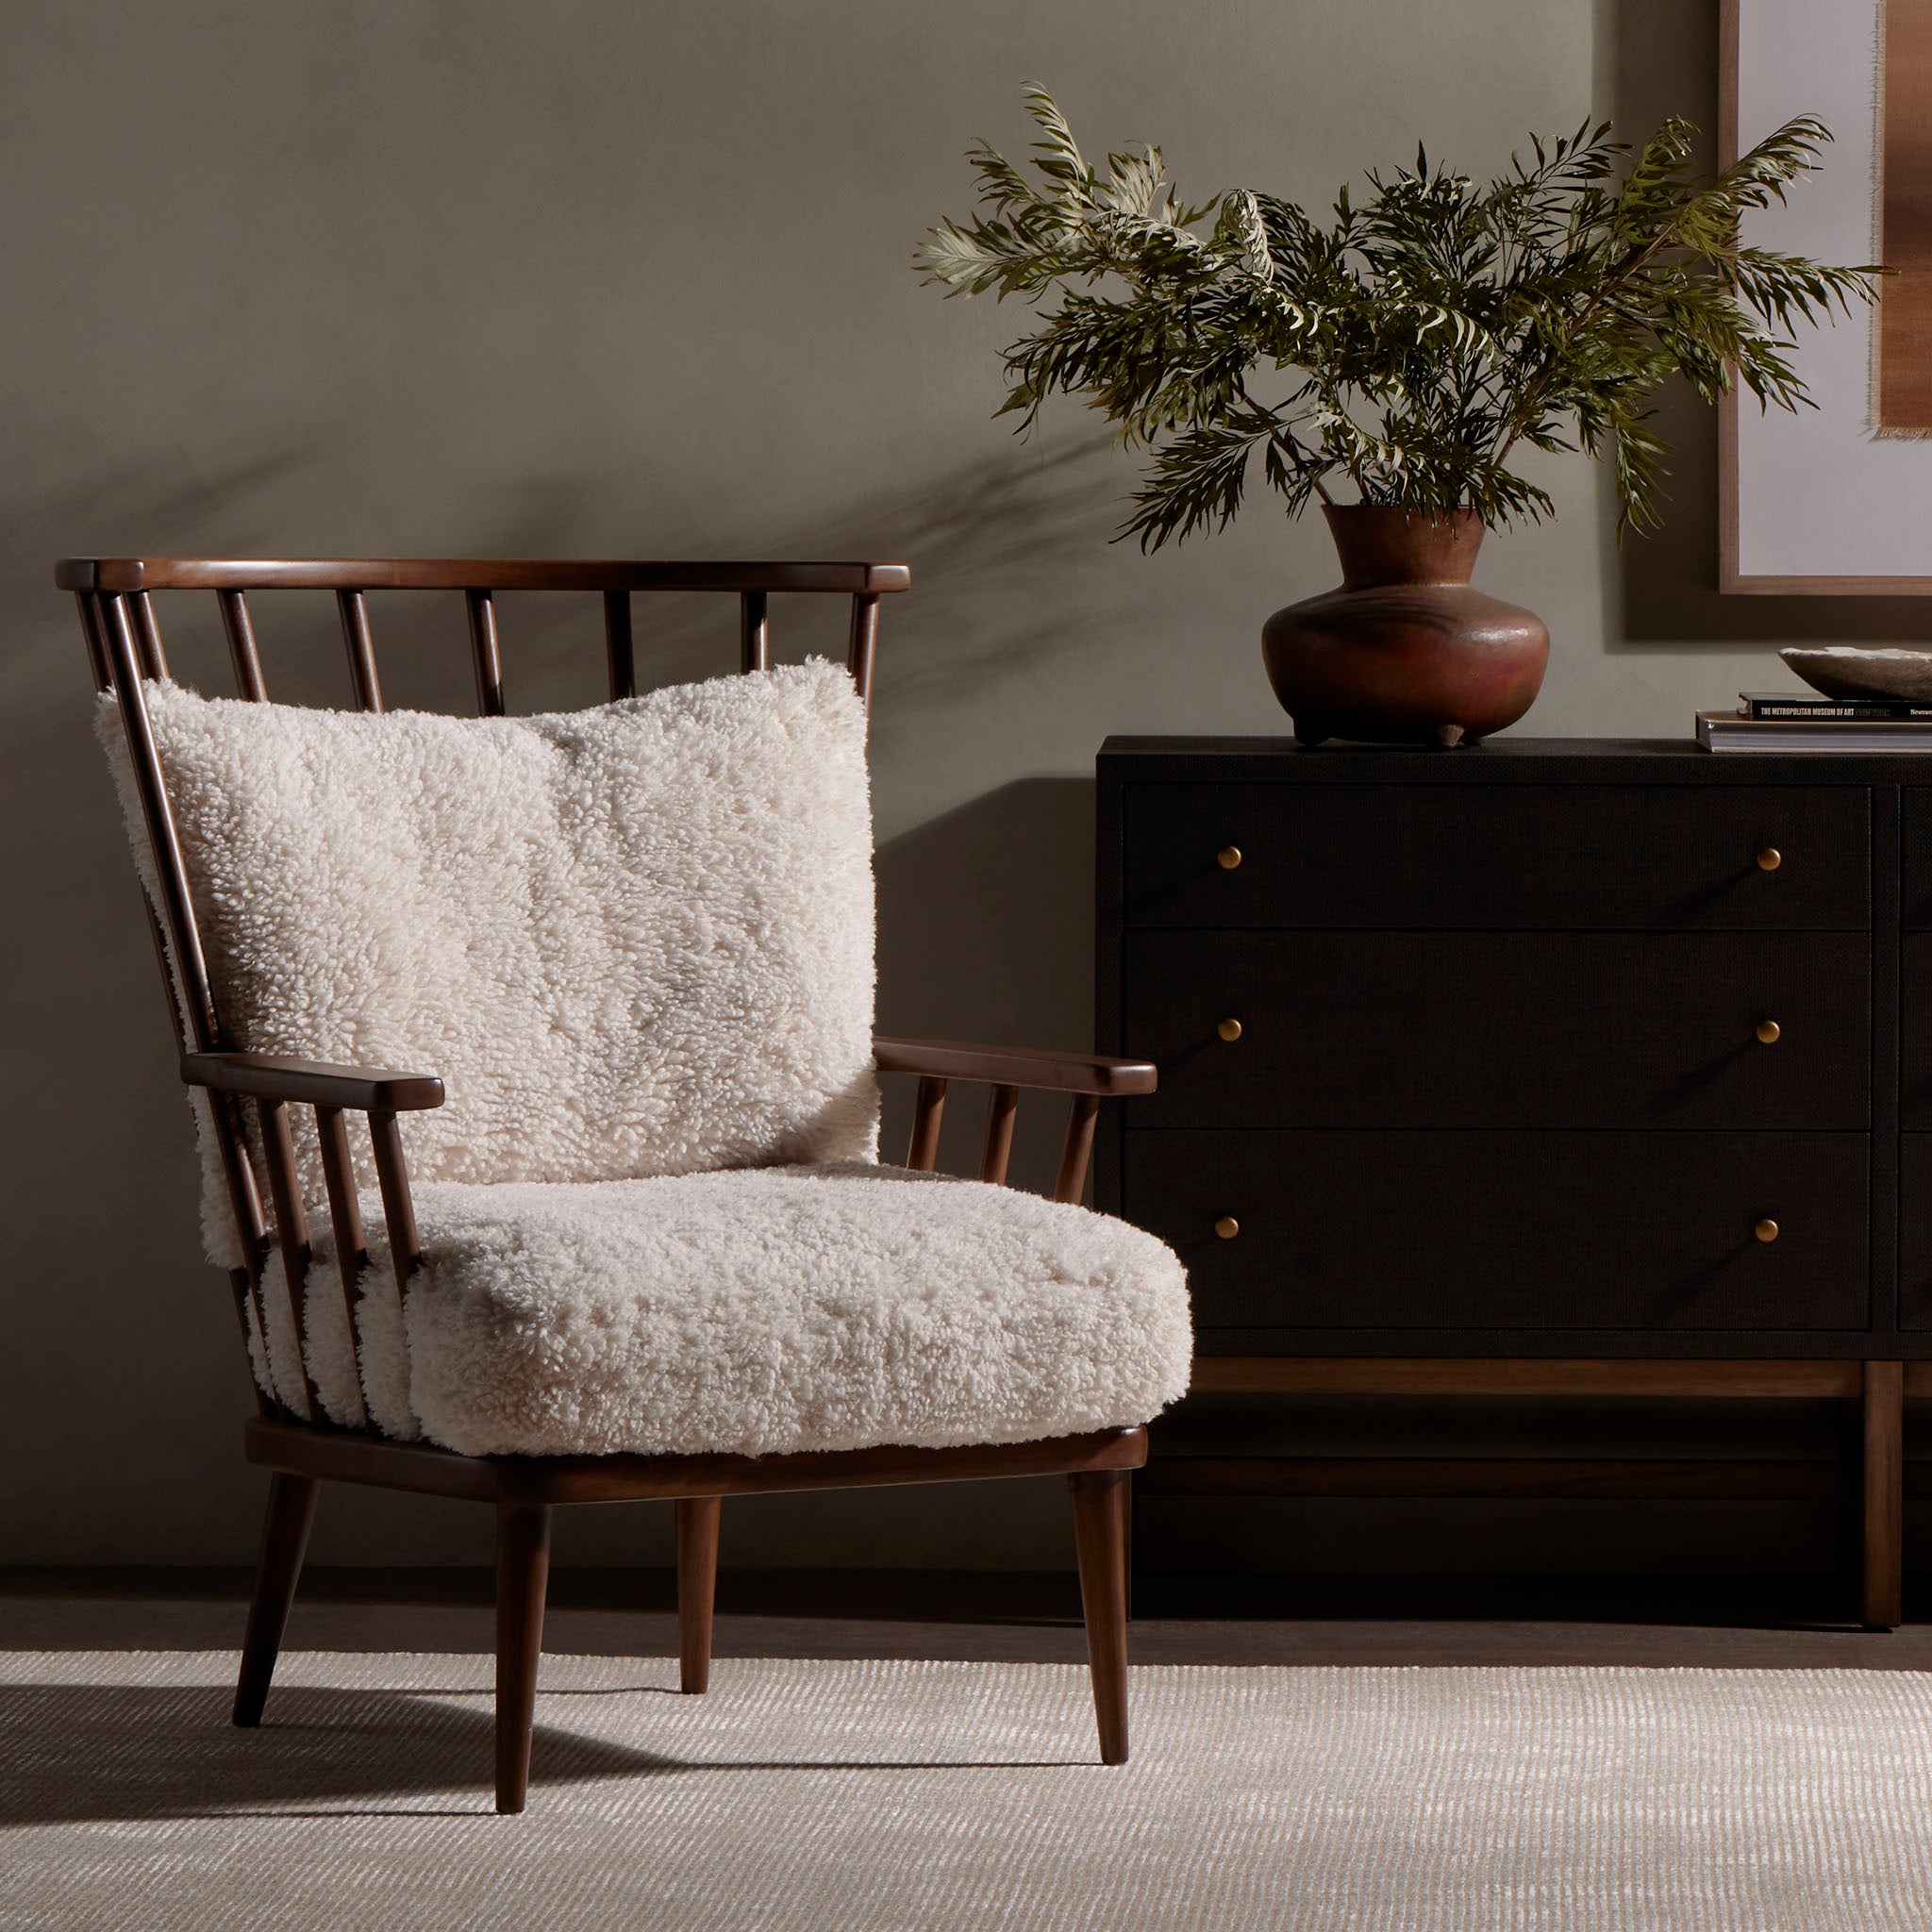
{"points": [[1422, 335]]}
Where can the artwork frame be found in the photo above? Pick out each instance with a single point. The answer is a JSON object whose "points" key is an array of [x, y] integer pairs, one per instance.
{"points": [[1820, 506]]}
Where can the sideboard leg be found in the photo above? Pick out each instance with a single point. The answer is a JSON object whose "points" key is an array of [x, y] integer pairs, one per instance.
{"points": [[1884, 1495]]}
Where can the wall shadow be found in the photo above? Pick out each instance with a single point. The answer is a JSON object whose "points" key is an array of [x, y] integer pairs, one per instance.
{"points": [[986, 933], [1017, 520]]}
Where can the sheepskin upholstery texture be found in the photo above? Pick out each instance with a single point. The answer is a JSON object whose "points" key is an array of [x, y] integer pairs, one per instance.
{"points": [[636, 943], [636, 940], [772, 1310]]}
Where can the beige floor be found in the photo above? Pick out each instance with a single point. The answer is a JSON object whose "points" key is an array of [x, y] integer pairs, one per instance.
{"points": [[884, 1796]]}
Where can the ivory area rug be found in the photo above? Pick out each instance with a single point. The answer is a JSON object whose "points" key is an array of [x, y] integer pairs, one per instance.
{"points": [[884, 1797]]}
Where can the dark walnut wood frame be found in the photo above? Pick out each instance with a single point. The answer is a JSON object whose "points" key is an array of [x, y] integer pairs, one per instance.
{"points": [[124, 650]]}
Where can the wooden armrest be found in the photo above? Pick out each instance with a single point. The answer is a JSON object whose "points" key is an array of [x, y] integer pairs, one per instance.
{"points": [[268, 1076], [1015, 1066]]}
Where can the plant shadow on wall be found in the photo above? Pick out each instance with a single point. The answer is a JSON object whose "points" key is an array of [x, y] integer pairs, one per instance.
{"points": [[986, 932], [985, 911], [1024, 524], [997, 548], [154, 508]]}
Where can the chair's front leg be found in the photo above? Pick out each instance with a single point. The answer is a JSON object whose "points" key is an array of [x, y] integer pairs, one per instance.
{"points": [[698, 1588], [1100, 1540], [523, 1573], [292, 1501]]}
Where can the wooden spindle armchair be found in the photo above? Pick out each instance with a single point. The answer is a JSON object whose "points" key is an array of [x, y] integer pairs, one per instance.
{"points": [[317, 1246]]}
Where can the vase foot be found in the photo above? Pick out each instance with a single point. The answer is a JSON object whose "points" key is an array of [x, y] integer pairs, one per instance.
{"points": [[1310, 731], [1448, 736]]}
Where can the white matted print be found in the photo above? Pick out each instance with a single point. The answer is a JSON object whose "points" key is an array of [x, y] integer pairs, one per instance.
{"points": [[1838, 500]]}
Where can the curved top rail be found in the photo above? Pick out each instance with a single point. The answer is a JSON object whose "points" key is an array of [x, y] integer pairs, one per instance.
{"points": [[125, 574]]}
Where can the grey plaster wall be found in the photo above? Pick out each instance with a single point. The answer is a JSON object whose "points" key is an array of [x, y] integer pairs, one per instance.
{"points": [[603, 276]]}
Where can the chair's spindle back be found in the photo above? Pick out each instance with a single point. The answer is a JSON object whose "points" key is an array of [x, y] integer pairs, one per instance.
{"points": [[242, 652], [619, 654], [153, 660], [864, 646], [1002, 1110], [96, 636], [398, 1210], [176, 911], [754, 637], [928, 1116], [123, 637], [483, 649], [346, 1220], [291, 1233], [147, 636], [1077, 1150], [360, 646]]}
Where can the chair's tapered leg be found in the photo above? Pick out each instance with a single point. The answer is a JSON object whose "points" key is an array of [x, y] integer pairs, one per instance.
{"points": [[284, 1538], [1100, 1537], [522, 1571], [697, 1586]]}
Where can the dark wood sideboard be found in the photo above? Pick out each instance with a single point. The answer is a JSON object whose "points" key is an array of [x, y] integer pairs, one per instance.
{"points": [[1554, 1067]]}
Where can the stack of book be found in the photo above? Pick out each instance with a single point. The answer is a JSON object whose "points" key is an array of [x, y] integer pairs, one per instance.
{"points": [[1805, 721]]}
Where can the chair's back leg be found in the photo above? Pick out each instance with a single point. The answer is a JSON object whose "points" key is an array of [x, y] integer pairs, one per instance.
{"points": [[284, 1538], [697, 1587], [1100, 1537], [523, 1573]]}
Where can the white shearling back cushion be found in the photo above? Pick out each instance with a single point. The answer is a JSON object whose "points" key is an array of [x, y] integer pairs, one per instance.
{"points": [[632, 941]]}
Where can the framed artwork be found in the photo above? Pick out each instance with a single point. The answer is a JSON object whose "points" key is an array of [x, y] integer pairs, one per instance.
{"points": [[1838, 500]]}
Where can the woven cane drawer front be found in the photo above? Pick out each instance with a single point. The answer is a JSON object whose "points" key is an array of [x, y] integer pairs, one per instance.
{"points": [[1461, 1029], [1570, 857], [1409, 1231]]}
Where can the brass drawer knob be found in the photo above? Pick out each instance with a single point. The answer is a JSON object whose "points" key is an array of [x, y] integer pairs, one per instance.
{"points": [[1770, 858], [1227, 1227], [1229, 1029], [1767, 1030], [1228, 857], [1766, 1230]]}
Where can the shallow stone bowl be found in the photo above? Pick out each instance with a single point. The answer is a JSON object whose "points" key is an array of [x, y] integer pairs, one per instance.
{"points": [[1849, 671]]}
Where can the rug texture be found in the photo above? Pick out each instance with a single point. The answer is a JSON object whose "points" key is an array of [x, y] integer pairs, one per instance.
{"points": [[861, 1797]]}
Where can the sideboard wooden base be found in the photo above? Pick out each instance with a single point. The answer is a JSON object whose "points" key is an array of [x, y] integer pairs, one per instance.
{"points": [[1877, 1487], [1267, 1374], [1884, 1495]]}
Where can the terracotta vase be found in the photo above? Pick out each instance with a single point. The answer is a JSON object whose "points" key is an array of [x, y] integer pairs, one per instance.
{"points": [[1406, 652]]}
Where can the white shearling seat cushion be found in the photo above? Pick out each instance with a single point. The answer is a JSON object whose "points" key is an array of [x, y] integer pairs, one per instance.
{"points": [[757, 1313], [633, 940]]}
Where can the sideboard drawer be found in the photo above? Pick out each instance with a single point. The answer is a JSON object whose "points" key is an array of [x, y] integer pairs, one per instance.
{"points": [[1487, 1030], [1915, 1231], [1510, 1231], [1915, 857], [1464, 856], [1915, 1032]]}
